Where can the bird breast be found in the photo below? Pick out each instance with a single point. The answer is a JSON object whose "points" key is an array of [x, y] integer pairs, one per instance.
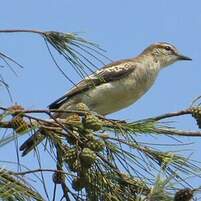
{"points": [[113, 96]]}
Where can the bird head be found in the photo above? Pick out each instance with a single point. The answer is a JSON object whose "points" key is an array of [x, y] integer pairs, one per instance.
{"points": [[165, 53]]}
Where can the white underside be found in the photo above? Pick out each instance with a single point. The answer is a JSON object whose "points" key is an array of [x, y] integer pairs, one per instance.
{"points": [[116, 95]]}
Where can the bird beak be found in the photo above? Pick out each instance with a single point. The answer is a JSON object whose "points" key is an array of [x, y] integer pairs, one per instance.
{"points": [[182, 57]]}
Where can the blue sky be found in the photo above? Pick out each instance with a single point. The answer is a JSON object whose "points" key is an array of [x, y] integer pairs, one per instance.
{"points": [[124, 29]]}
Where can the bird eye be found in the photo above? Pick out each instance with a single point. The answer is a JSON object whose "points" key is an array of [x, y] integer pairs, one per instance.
{"points": [[168, 48]]}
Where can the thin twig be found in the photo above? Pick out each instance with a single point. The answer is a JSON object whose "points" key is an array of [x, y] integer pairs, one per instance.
{"points": [[172, 114], [41, 170], [21, 31], [178, 132]]}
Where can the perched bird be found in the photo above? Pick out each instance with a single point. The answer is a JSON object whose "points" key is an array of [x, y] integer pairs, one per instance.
{"points": [[115, 86]]}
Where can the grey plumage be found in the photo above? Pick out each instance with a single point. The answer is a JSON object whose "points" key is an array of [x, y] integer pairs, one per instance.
{"points": [[108, 73]]}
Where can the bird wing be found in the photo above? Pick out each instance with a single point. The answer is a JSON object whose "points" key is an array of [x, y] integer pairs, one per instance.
{"points": [[110, 72]]}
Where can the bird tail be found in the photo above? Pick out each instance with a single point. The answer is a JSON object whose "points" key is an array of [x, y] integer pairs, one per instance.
{"points": [[32, 142]]}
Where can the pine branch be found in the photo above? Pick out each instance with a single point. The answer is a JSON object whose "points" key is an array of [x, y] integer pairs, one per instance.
{"points": [[90, 155], [77, 51]]}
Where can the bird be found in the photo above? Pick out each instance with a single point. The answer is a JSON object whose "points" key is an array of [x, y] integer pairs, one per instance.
{"points": [[114, 86]]}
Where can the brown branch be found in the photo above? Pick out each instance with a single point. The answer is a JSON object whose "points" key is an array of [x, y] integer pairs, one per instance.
{"points": [[82, 113], [41, 170], [57, 122], [178, 132], [21, 31], [172, 114], [47, 111]]}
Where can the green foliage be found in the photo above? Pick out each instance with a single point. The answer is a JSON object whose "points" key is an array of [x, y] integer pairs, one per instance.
{"points": [[14, 188]]}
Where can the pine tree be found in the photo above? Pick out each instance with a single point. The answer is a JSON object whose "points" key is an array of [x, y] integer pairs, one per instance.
{"points": [[96, 158]]}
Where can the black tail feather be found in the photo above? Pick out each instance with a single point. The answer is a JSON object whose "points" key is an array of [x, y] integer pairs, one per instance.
{"points": [[32, 142]]}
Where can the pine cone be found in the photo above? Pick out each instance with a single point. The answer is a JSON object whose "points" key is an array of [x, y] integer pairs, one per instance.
{"points": [[75, 166], [96, 145], [92, 122], [196, 113], [70, 155], [87, 157], [82, 107], [18, 124], [184, 195], [58, 178], [78, 184], [73, 119]]}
